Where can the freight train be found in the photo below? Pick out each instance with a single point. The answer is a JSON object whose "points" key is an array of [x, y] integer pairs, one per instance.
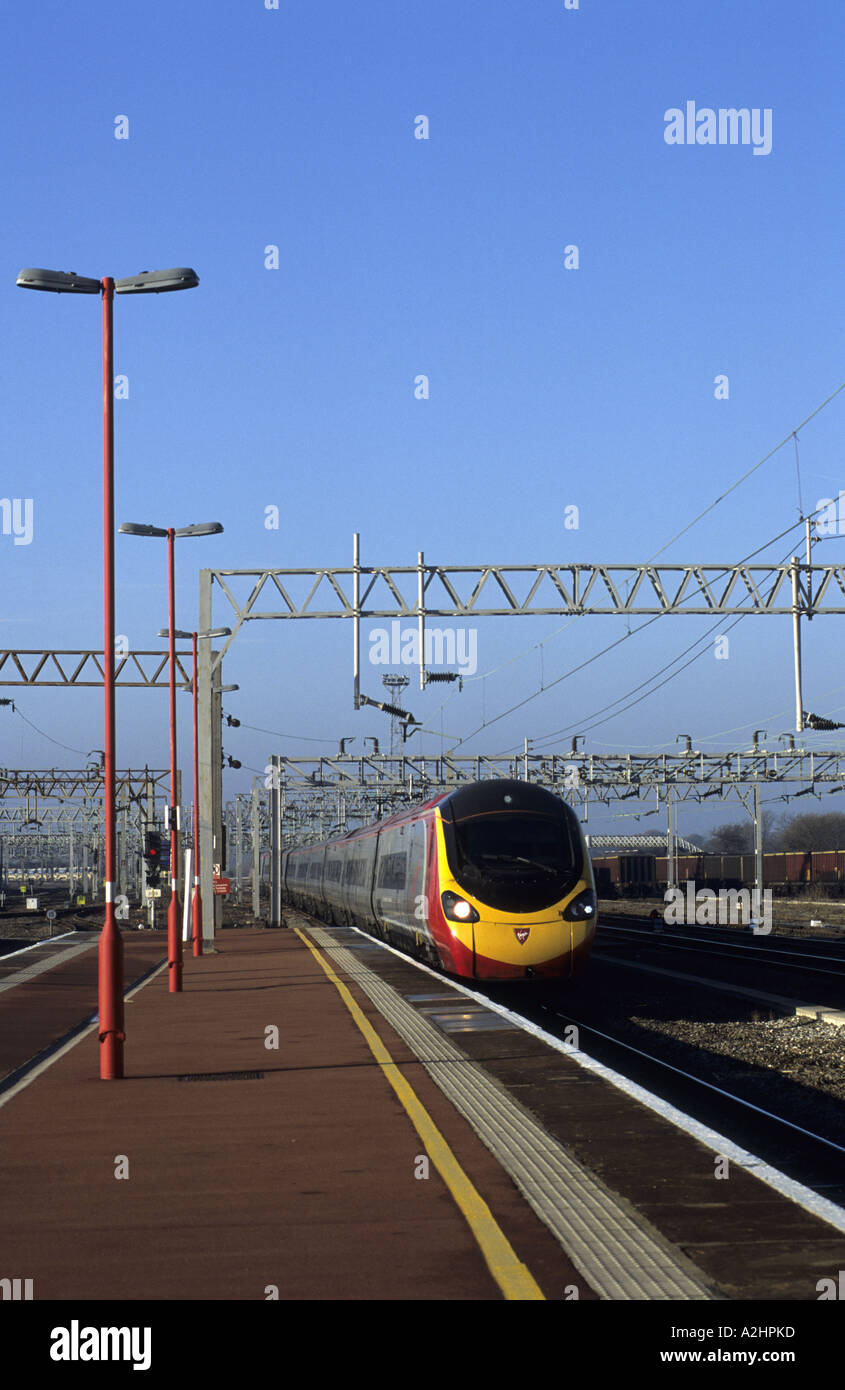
{"points": [[491, 881], [785, 873]]}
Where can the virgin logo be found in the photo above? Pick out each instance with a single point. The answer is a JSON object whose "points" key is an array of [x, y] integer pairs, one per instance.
{"points": [[521, 934]]}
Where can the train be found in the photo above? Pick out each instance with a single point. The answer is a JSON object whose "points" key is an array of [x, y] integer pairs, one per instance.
{"points": [[785, 873], [491, 881]]}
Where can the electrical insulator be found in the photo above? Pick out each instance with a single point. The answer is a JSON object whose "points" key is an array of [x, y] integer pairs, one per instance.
{"points": [[815, 721]]}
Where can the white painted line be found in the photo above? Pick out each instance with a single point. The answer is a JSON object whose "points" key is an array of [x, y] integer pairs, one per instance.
{"points": [[45, 941]]}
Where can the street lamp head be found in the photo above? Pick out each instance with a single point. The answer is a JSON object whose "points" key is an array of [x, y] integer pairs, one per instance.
{"points": [[138, 528], [200, 528], [58, 281], [157, 281], [179, 635], [148, 282]]}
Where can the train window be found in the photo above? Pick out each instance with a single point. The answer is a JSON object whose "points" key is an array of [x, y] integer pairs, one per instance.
{"points": [[393, 871], [514, 839], [333, 868]]}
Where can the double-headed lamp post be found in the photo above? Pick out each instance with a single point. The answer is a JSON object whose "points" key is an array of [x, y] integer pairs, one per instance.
{"points": [[174, 911], [111, 1030], [196, 901]]}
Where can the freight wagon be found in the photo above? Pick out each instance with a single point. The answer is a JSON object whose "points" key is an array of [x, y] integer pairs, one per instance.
{"points": [[785, 872]]}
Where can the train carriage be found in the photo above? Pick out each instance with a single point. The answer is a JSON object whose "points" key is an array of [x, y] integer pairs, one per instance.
{"points": [[490, 881]]}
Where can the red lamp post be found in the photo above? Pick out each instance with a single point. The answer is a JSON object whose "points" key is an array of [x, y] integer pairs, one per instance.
{"points": [[174, 911], [110, 950]]}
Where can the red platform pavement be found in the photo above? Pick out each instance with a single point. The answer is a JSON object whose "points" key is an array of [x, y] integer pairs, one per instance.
{"points": [[49, 988], [292, 1172]]}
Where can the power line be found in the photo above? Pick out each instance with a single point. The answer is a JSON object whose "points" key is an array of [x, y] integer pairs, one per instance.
{"points": [[751, 470], [585, 728], [580, 725], [539, 645], [792, 435], [57, 742], [603, 652], [274, 733], [596, 724]]}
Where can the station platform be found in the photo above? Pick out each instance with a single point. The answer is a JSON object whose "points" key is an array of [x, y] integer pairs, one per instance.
{"points": [[314, 1118]]}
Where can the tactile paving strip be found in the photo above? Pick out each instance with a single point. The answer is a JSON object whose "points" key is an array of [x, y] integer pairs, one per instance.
{"points": [[21, 974], [620, 1255]]}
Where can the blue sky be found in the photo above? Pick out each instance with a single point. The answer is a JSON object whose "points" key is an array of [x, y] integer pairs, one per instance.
{"points": [[294, 387]]}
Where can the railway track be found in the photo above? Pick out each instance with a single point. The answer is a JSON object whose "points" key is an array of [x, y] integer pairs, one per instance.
{"points": [[50, 896], [735, 938], [776, 1128], [797, 935], [807, 977]]}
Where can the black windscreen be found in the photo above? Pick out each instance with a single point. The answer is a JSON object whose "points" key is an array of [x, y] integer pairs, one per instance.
{"points": [[513, 846], [513, 837]]}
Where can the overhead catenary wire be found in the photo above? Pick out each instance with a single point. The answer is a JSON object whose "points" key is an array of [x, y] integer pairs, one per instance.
{"points": [[543, 687], [711, 507], [749, 471], [50, 739], [603, 652], [276, 733], [699, 640], [585, 728]]}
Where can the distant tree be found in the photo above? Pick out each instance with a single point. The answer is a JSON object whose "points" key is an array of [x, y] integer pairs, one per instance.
{"points": [[735, 838], [824, 830]]}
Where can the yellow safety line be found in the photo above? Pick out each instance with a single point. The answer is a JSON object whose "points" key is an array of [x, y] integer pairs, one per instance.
{"points": [[512, 1276]]}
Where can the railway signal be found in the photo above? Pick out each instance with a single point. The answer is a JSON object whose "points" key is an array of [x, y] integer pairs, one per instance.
{"points": [[153, 857]]}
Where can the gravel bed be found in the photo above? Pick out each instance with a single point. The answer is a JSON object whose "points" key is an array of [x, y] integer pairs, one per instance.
{"points": [[790, 916], [792, 1066]]}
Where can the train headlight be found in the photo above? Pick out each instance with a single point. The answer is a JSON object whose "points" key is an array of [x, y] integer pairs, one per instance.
{"points": [[582, 908], [457, 909]]}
